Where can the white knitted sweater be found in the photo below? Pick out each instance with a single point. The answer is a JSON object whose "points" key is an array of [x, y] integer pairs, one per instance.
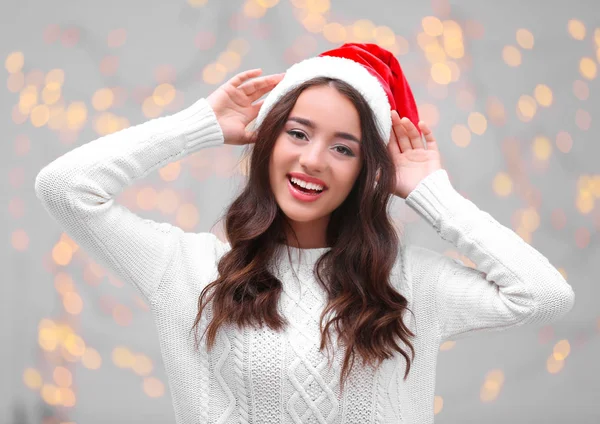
{"points": [[260, 376]]}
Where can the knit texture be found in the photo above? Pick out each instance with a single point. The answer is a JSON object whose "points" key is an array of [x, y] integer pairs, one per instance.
{"points": [[261, 376]]}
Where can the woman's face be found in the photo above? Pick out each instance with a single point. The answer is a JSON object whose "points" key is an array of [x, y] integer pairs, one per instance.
{"points": [[321, 140]]}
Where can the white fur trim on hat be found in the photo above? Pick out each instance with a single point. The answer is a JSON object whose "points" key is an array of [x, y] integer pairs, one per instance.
{"points": [[335, 67]]}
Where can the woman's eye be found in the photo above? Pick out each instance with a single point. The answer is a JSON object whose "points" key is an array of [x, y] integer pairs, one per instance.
{"points": [[344, 150], [296, 134], [299, 135]]}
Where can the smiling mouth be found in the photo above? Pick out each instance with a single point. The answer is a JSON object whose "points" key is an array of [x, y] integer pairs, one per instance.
{"points": [[303, 189]]}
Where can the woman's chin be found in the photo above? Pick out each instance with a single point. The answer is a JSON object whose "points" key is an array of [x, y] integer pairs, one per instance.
{"points": [[296, 213], [295, 216]]}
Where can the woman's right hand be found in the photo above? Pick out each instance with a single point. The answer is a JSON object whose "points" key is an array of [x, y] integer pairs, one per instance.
{"points": [[233, 103]]}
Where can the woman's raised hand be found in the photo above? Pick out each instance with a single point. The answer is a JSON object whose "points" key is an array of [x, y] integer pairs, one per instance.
{"points": [[233, 103], [413, 162]]}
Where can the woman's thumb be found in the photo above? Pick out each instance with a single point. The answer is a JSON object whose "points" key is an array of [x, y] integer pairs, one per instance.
{"points": [[249, 137], [256, 108]]}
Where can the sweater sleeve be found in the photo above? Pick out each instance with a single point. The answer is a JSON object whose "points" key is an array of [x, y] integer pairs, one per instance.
{"points": [[78, 190], [513, 284]]}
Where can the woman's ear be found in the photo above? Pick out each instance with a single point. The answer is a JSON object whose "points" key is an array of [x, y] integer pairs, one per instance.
{"points": [[377, 174]]}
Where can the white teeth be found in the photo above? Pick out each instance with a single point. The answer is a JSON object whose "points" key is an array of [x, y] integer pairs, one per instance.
{"points": [[304, 184]]}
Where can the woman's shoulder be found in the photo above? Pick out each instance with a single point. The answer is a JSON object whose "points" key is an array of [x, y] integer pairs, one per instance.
{"points": [[193, 264], [418, 266], [208, 244]]}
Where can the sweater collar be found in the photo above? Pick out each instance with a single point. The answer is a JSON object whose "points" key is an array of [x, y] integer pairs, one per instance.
{"points": [[298, 256]]}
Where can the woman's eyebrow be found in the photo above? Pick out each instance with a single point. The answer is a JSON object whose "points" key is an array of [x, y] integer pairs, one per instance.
{"points": [[310, 124]]}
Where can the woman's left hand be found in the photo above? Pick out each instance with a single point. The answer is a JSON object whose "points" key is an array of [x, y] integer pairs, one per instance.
{"points": [[412, 161]]}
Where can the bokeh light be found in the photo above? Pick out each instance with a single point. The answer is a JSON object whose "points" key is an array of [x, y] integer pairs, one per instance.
{"points": [[153, 387], [502, 184], [461, 136], [495, 111], [14, 62], [441, 73], [122, 357], [15, 82], [543, 95], [526, 108], [122, 315], [438, 404], [511, 56], [492, 386], [72, 303], [32, 378], [334, 32], [525, 38], [91, 359], [477, 123], [576, 29], [564, 142], [19, 240], [187, 216], [103, 99], [583, 119], [542, 148], [588, 68], [432, 25], [117, 37], [581, 90]]}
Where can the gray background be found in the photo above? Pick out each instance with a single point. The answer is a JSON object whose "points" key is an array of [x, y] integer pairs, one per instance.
{"points": [[163, 33]]}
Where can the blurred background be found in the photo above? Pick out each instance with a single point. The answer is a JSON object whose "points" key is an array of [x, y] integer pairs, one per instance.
{"points": [[510, 88]]}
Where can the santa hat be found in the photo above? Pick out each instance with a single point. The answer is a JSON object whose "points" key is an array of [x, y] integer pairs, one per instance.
{"points": [[369, 68]]}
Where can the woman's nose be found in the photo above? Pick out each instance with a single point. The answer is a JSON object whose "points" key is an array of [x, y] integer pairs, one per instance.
{"points": [[313, 157]]}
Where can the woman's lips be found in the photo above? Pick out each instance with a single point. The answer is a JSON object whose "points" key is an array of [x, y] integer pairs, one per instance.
{"points": [[307, 178], [305, 197]]}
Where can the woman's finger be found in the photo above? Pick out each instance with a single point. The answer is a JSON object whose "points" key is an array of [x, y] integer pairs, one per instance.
{"points": [[413, 134], [255, 89], [429, 137], [242, 77], [393, 146], [401, 136]]}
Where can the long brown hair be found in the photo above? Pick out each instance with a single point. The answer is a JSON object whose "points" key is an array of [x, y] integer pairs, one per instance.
{"points": [[354, 272]]}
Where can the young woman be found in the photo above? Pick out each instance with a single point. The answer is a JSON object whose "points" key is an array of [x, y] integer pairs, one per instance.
{"points": [[312, 259]]}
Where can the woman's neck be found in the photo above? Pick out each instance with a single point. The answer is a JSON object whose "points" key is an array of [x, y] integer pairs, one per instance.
{"points": [[307, 235]]}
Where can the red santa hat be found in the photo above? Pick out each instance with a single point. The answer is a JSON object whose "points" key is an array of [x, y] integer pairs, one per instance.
{"points": [[369, 68]]}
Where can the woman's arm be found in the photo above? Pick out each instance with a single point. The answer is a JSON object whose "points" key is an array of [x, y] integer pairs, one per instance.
{"points": [[513, 284], [79, 188]]}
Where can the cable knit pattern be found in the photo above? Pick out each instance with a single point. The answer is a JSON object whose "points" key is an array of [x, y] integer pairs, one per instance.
{"points": [[260, 376], [239, 351]]}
